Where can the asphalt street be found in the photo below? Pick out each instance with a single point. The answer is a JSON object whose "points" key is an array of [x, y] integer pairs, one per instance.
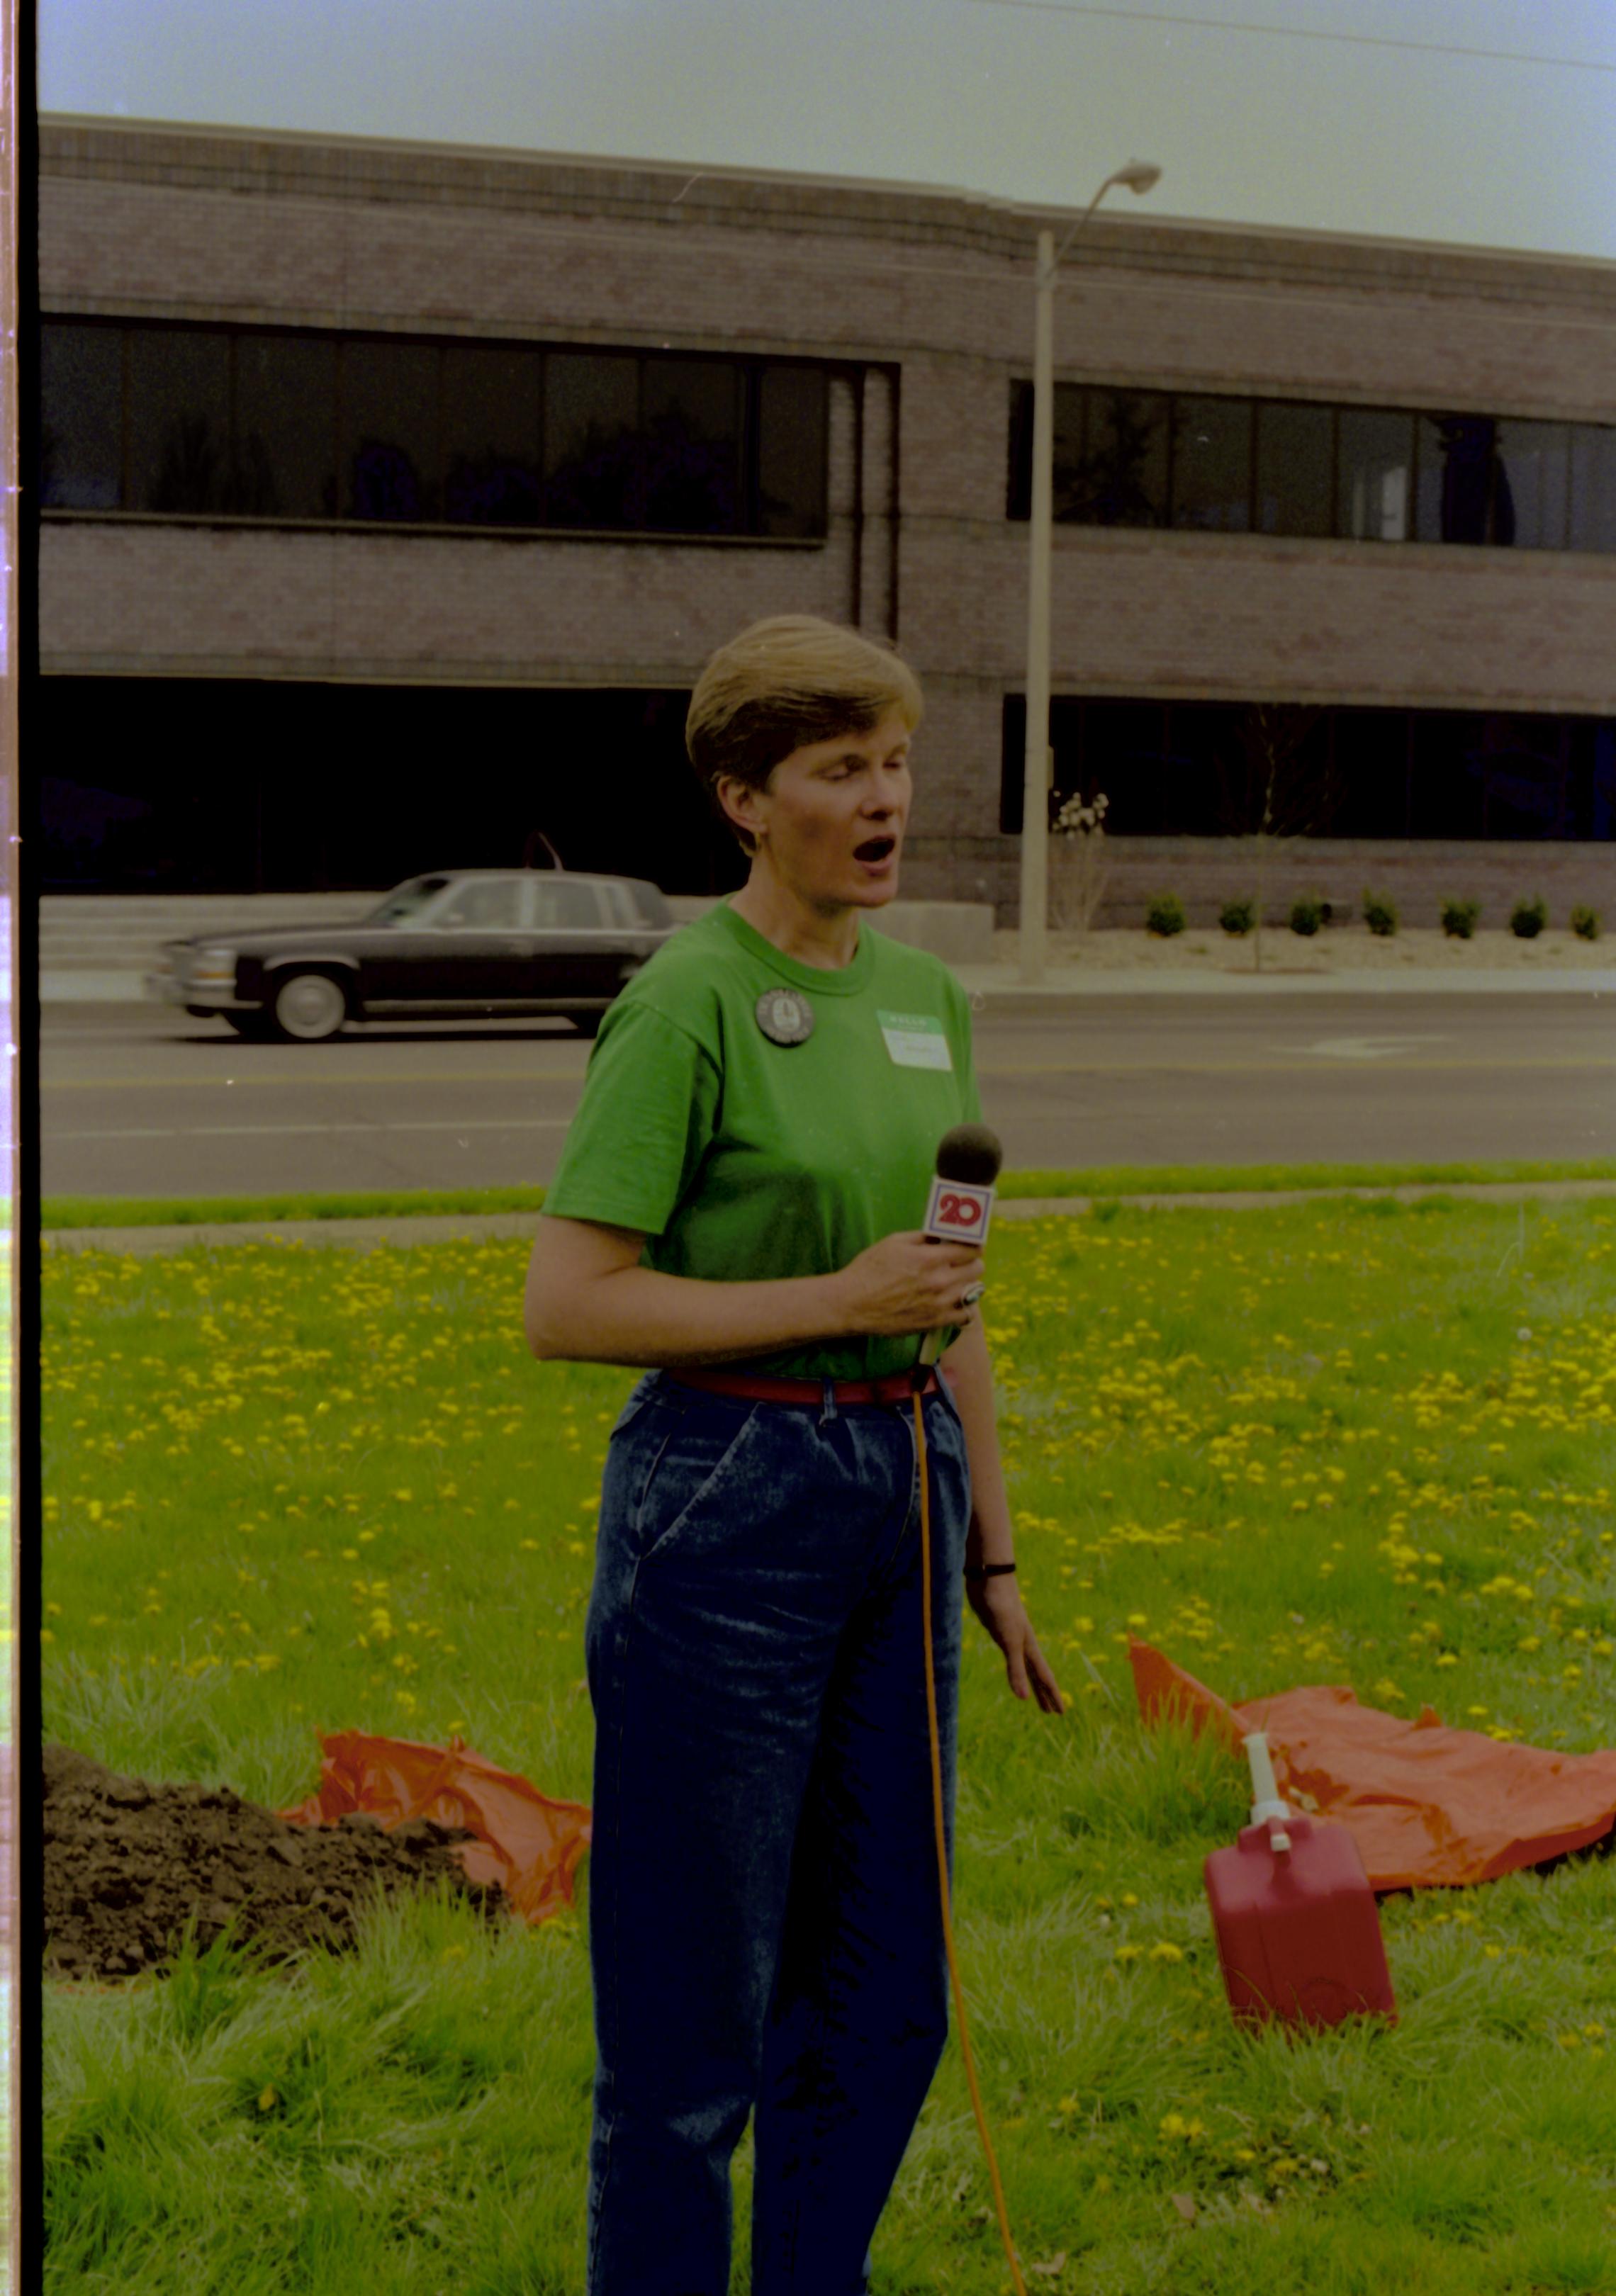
{"points": [[137, 1100]]}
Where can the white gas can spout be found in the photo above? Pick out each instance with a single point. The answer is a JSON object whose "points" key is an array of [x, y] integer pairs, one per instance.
{"points": [[1266, 1808]]}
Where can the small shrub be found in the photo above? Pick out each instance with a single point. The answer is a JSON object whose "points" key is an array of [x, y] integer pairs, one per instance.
{"points": [[1306, 915], [1380, 915], [1459, 918], [1237, 916], [1585, 923], [1165, 915], [1527, 919]]}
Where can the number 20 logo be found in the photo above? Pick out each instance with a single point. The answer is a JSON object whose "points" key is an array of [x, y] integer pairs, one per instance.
{"points": [[958, 1211]]}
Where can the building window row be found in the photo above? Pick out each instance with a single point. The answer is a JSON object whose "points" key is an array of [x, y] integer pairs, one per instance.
{"points": [[1220, 768], [1241, 465], [273, 423]]}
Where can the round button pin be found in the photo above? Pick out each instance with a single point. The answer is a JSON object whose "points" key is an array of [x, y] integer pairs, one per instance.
{"points": [[785, 1016]]}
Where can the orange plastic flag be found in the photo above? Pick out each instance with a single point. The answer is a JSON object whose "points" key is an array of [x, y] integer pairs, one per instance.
{"points": [[1427, 1805], [528, 1844]]}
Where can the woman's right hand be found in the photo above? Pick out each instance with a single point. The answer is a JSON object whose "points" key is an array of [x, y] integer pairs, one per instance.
{"points": [[908, 1283]]}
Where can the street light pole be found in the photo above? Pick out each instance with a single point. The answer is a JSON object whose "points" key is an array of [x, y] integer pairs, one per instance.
{"points": [[1037, 761]]}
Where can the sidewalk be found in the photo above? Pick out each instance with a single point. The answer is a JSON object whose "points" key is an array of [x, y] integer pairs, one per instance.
{"points": [[1343, 961]]}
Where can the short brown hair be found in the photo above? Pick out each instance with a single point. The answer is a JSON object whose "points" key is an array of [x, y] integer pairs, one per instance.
{"points": [[786, 681]]}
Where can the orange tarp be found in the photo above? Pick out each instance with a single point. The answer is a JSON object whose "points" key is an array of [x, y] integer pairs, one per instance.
{"points": [[528, 1844], [1427, 1805]]}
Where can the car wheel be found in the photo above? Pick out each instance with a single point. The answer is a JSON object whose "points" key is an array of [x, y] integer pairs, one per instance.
{"points": [[308, 1007], [253, 1026]]}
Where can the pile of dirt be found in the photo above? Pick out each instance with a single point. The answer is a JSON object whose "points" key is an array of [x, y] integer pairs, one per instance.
{"points": [[127, 1863]]}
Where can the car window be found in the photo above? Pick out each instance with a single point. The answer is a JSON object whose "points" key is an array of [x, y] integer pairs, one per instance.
{"points": [[619, 904], [483, 905], [650, 907], [407, 900], [563, 905]]}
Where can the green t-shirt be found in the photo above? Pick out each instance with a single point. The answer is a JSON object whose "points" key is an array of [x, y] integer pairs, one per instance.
{"points": [[741, 1160]]}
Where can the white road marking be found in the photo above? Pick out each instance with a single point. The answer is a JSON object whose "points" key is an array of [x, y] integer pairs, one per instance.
{"points": [[1368, 1048]]}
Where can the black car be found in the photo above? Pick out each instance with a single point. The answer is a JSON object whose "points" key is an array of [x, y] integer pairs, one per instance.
{"points": [[460, 944]]}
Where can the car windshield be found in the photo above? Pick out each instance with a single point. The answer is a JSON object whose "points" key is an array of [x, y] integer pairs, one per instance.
{"points": [[407, 900]]}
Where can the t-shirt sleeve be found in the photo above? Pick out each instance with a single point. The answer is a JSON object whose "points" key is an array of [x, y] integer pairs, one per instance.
{"points": [[651, 1094]]}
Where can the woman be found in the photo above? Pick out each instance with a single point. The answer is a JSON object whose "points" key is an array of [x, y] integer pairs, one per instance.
{"points": [[737, 1207]]}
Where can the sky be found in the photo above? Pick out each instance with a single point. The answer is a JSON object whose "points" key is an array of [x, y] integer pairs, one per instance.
{"points": [[1488, 123]]}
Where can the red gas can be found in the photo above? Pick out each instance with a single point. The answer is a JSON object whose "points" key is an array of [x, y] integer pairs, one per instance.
{"points": [[1298, 1933]]}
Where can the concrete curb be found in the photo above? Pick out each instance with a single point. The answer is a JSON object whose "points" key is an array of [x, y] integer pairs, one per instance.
{"points": [[444, 1227], [1002, 992]]}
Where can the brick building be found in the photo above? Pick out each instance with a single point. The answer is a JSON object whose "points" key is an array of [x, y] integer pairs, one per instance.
{"points": [[393, 496]]}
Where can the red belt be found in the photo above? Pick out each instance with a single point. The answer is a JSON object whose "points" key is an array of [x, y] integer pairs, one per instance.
{"points": [[897, 1386]]}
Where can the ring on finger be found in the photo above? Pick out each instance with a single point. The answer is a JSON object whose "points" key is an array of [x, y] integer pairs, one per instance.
{"points": [[971, 1293]]}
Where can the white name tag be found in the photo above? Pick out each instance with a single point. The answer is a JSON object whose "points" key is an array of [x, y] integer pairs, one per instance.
{"points": [[915, 1040]]}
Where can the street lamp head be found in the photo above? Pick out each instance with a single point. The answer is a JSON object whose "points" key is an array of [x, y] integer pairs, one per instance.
{"points": [[1139, 176]]}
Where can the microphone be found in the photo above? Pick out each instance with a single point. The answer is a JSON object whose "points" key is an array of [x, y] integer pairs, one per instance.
{"points": [[961, 1205]]}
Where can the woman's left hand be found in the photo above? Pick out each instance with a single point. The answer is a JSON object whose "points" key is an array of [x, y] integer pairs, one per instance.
{"points": [[998, 1605]]}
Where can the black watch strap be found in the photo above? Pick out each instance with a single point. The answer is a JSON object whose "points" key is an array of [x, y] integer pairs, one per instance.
{"points": [[988, 1569]]}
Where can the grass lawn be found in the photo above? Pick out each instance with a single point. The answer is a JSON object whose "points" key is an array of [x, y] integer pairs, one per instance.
{"points": [[291, 1489]]}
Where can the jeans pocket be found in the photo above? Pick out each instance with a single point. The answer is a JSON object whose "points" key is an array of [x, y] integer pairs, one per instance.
{"points": [[639, 1395], [698, 1475]]}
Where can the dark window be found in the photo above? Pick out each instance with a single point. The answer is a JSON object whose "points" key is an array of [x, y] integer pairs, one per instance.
{"points": [[80, 417], [180, 419], [1187, 769], [1212, 463], [791, 450], [1013, 749], [1018, 499], [284, 464], [1123, 742], [1372, 766], [1295, 492], [389, 397], [1123, 477], [1533, 464], [271, 423], [592, 413], [1464, 494], [1375, 464], [191, 784], [1444, 791], [1189, 792], [1591, 778], [1374, 474], [690, 442], [1593, 487], [1518, 765], [1070, 490], [492, 472]]}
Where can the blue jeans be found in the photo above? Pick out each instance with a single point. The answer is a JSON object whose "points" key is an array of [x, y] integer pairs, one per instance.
{"points": [[764, 1924]]}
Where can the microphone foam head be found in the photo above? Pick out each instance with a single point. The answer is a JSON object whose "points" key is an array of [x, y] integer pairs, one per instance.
{"points": [[969, 1152]]}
